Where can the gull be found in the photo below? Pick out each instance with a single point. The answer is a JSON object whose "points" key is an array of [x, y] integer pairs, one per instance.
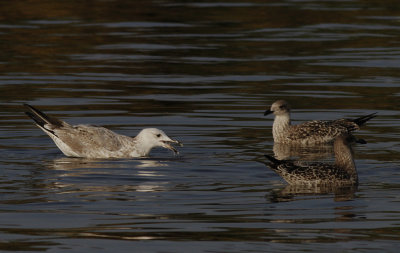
{"points": [[311, 132], [342, 172], [89, 141]]}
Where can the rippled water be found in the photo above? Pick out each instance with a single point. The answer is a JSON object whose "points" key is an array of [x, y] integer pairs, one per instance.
{"points": [[204, 72]]}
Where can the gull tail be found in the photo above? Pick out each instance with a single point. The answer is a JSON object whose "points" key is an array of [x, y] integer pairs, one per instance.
{"points": [[361, 120], [41, 119]]}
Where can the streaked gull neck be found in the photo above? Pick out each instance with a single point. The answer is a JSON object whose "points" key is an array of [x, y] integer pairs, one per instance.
{"points": [[281, 126]]}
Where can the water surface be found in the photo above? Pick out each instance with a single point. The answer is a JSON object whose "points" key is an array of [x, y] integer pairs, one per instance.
{"points": [[204, 72]]}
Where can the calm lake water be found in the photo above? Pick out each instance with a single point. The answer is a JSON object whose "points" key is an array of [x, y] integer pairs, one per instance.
{"points": [[204, 72]]}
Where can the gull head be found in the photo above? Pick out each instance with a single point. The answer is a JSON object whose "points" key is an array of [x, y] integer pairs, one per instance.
{"points": [[153, 137], [279, 107]]}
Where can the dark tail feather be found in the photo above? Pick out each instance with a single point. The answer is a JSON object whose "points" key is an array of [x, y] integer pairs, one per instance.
{"points": [[361, 120], [37, 120], [40, 118]]}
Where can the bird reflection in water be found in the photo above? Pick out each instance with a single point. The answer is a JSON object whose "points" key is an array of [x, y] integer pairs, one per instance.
{"points": [[71, 163], [315, 178], [139, 173], [298, 192], [301, 152]]}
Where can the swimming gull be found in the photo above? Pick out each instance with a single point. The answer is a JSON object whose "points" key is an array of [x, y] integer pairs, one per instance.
{"points": [[98, 142], [342, 172], [311, 132]]}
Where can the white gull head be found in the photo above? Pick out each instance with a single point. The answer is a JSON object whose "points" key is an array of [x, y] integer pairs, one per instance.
{"points": [[150, 138]]}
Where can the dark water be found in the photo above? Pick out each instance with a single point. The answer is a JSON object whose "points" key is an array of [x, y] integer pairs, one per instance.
{"points": [[204, 72]]}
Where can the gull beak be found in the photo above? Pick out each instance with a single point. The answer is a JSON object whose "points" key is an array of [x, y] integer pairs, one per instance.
{"points": [[167, 144], [267, 112], [361, 141]]}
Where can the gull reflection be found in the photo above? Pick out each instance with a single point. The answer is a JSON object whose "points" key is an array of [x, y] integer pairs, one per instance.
{"points": [[297, 192], [288, 151], [305, 178], [71, 163], [90, 175]]}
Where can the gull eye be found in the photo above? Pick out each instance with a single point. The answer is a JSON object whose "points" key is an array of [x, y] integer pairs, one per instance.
{"points": [[158, 135]]}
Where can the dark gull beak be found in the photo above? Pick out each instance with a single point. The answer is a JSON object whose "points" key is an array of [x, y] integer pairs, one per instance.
{"points": [[267, 112]]}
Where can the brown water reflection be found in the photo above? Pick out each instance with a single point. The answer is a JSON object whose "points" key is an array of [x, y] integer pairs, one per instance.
{"points": [[203, 72], [297, 192]]}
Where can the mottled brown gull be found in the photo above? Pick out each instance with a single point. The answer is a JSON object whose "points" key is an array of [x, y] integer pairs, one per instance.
{"points": [[311, 132], [341, 172], [98, 142]]}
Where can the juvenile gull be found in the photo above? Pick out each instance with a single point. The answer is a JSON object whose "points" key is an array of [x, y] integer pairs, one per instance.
{"points": [[311, 132], [342, 172], [98, 142]]}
